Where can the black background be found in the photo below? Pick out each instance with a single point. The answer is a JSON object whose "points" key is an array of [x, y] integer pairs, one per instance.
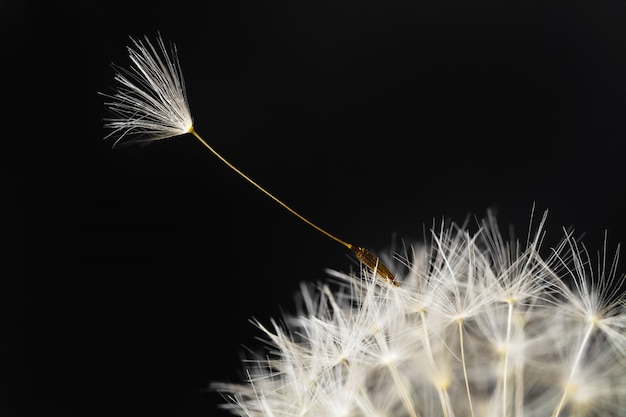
{"points": [[131, 273]]}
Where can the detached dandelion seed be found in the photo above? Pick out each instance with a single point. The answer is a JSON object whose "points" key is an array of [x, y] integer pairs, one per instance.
{"points": [[150, 103]]}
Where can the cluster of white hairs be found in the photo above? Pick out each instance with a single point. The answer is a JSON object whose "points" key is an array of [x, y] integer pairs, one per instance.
{"points": [[477, 326]]}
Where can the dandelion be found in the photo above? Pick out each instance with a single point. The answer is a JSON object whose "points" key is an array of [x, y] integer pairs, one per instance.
{"points": [[466, 325], [477, 327]]}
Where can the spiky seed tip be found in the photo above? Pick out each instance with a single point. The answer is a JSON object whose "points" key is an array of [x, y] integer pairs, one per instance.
{"points": [[149, 102]]}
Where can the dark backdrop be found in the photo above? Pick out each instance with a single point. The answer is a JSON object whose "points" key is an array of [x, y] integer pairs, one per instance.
{"points": [[131, 273]]}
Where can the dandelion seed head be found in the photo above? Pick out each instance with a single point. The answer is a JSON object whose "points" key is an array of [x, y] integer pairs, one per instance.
{"points": [[478, 327]]}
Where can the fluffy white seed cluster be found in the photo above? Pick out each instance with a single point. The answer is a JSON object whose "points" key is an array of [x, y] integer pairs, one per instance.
{"points": [[479, 326]]}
